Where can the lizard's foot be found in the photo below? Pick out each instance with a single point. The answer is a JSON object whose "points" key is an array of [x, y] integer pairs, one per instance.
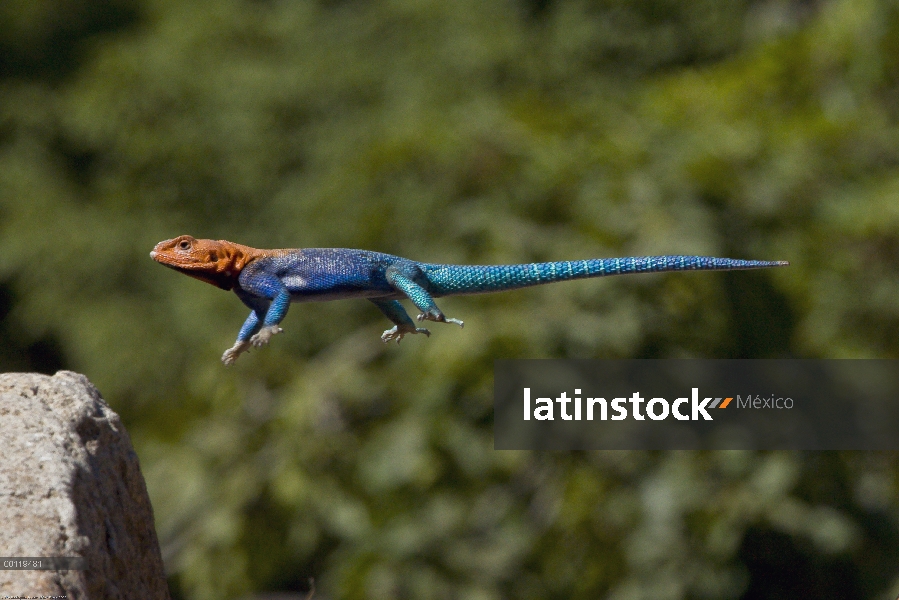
{"points": [[439, 318], [265, 334], [231, 354], [398, 332]]}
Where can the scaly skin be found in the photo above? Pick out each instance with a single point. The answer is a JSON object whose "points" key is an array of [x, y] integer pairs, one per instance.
{"points": [[267, 281]]}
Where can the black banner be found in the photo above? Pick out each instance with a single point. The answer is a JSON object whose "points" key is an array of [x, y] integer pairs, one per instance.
{"points": [[788, 404]]}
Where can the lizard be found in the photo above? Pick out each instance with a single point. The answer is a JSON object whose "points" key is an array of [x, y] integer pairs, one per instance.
{"points": [[267, 281]]}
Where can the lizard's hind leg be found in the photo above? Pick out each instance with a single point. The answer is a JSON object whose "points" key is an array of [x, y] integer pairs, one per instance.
{"points": [[394, 311], [420, 298]]}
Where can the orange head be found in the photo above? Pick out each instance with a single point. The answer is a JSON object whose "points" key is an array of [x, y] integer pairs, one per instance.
{"points": [[218, 262]]}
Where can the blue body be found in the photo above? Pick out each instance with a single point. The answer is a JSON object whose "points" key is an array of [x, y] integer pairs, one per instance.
{"points": [[269, 284]]}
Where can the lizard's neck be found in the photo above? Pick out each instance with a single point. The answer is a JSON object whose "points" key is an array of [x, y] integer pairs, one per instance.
{"points": [[223, 262]]}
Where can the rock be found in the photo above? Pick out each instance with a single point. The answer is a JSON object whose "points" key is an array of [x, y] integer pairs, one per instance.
{"points": [[70, 485]]}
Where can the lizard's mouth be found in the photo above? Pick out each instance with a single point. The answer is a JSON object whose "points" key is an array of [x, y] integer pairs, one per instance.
{"points": [[220, 280]]}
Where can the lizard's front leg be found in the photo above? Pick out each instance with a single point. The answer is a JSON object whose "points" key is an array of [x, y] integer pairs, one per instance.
{"points": [[394, 311], [269, 299], [275, 314], [250, 327]]}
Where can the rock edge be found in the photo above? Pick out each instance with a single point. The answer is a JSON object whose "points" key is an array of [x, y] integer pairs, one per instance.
{"points": [[71, 485]]}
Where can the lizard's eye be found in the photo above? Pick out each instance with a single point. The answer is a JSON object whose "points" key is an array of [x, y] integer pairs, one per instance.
{"points": [[184, 245]]}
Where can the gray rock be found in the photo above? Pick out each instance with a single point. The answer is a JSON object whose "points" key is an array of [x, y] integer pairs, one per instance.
{"points": [[70, 485]]}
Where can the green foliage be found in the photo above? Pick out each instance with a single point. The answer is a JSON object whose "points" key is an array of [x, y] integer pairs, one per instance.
{"points": [[469, 132]]}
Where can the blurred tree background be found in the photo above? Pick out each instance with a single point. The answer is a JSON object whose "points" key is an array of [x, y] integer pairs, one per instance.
{"points": [[489, 131]]}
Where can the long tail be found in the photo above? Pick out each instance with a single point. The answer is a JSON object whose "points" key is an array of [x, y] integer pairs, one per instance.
{"points": [[448, 280]]}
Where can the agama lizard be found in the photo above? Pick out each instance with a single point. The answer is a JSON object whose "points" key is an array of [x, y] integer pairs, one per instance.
{"points": [[267, 281]]}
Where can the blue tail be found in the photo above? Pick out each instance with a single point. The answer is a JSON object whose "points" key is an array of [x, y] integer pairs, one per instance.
{"points": [[447, 280]]}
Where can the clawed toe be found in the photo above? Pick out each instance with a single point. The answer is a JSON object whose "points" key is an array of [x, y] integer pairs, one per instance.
{"points": [[397, 334], [231, 354], [265, 334], [439, 318]]}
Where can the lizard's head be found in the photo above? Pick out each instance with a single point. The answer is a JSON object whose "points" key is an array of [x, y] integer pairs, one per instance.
{"points": [[214, 261]]}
